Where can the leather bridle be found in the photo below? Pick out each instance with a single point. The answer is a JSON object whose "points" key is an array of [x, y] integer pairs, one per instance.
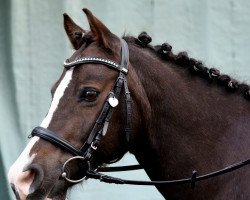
{"points": [[85, 153], [101, 125]]}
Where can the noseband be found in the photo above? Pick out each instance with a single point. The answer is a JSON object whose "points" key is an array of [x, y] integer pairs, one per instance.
{"points": [[102, 123]]}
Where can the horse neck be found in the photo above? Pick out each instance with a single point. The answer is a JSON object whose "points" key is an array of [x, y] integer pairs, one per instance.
{"points": [[191, 120]]}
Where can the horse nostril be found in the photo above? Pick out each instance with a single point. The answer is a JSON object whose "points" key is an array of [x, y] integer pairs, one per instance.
{"points": [[36, 175], [15, 191], [27, 180]]}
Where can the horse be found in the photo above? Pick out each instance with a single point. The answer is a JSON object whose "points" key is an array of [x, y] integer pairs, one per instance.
{"points": [[178, 115]]}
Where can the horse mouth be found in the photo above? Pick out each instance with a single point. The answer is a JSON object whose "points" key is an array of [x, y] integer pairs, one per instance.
{"points": [[61, 196], [58, 191]]}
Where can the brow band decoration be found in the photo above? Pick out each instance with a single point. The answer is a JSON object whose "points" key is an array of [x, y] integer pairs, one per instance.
{"points": [[86, 60]]}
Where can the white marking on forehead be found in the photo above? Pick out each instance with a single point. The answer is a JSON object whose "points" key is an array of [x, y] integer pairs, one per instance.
{"points": [[57, 96], [16, 171]]}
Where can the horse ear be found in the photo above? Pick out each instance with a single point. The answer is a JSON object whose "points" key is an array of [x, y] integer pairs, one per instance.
{"points": [[100, 32], [75, 33]]}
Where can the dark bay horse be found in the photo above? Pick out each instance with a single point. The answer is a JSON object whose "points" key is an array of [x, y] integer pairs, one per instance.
{"points": [[185, 116]]}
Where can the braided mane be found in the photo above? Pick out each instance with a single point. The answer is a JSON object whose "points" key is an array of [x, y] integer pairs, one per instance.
{"points": [[182, 59]]}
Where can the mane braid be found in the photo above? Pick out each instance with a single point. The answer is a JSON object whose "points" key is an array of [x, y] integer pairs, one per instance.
{"points": [[196, 67]]}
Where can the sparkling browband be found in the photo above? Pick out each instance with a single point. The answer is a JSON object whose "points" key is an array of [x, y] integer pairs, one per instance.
{"points": [[86, 60]]}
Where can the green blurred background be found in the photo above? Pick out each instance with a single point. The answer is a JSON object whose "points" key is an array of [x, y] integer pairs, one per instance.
{"points": [[34, 46]]}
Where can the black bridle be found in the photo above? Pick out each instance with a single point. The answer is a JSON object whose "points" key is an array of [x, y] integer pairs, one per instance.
{"points": [[100, 127], [85, 153]]}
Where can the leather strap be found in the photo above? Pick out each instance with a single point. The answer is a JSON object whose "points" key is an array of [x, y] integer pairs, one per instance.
{"points": [[128, 110], [96, 60], [119, 168], [192, 180], [54, 139]]}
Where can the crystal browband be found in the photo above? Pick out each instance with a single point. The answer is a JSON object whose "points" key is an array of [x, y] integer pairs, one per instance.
{"points": [[86, 60]]}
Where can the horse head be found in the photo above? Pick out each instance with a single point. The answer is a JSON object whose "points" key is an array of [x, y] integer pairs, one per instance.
{"points": [[78, 97]]}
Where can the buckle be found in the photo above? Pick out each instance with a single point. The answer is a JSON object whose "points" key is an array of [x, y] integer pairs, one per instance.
{"points": [[93, 146]]}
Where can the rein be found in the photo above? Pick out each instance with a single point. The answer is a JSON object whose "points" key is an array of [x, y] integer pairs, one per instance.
{"points": [[85, 153], [192, 180]]}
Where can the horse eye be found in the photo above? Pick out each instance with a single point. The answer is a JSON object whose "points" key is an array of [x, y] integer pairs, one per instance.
{"points": [[88, 94]]}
